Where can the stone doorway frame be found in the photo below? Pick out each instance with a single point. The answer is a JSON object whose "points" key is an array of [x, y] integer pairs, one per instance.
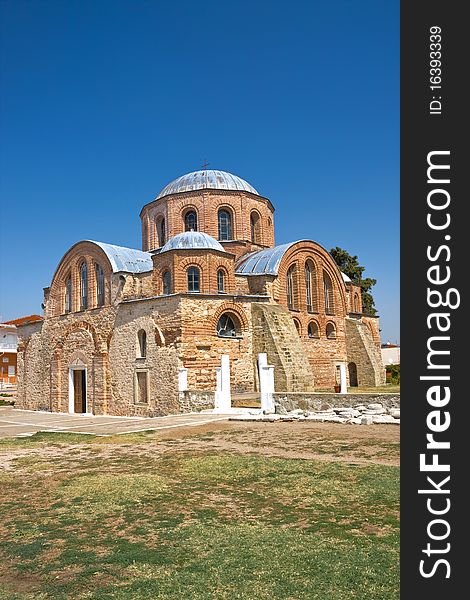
{"points": [[71, 407]]}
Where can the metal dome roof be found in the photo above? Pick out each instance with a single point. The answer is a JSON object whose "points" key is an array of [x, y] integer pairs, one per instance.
{"points": [[262, 262], [267, 262], [190, 240], [129, 260], [208, 179]]}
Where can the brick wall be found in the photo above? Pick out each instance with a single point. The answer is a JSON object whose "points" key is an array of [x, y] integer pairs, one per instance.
{"points": [[206, 204]]}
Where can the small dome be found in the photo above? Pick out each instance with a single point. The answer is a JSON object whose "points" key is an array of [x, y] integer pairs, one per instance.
{"points": [[199, 180], [192, 239]]}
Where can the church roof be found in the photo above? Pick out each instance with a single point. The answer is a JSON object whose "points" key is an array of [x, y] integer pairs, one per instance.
{"points": [[129, 260], [266, 262], [208, 179], [192, 239], [262, 262]]}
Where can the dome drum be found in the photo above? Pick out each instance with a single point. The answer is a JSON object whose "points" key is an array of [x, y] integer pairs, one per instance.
{"points": [[215, 202]]}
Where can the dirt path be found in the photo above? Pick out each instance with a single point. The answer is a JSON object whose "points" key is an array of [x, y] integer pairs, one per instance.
{"points": [[376, 444]]}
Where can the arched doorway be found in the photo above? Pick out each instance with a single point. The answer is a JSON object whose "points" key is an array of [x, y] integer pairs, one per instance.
{"points": [[77, 388], [352, 368]]}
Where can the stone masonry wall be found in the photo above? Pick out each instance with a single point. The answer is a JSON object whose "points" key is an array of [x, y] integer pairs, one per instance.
{"points": [[274, 333], [317, 402], [363, 350], [201, 347], [160, 362], [195, 401], [104, 341]]}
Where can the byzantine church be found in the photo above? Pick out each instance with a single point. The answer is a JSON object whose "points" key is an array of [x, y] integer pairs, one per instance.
{"points": [[121, 324]]}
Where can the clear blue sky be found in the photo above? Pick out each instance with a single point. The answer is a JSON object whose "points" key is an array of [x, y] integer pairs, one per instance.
{"points": [[103, 103]]}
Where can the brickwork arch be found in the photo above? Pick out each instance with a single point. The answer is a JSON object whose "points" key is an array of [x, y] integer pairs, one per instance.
{"points": [[228, 307], [330, 330], [159, 337], [313, 329], [302, 252], [298, 326], [81, 325], [69, 266], [256, 227], [232, 233], [190, 208]]}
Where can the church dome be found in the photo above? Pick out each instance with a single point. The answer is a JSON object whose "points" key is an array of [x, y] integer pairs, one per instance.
{"points": [[208, 179], [190, 240]]}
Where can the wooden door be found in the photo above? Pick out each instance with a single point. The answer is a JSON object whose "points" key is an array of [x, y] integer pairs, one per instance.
{"points": [[79, 390]]}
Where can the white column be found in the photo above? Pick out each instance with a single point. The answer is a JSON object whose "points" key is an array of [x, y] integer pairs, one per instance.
{"points": [[71, 392], [182, 380], [266, 383], [223, 401], [342, 378]]}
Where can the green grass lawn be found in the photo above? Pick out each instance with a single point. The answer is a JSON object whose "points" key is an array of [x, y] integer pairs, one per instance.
{"points": [[142, 519]]}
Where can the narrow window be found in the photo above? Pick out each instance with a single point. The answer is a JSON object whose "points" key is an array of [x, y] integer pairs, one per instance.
{"points": [[68, 294], [313, 330], [221, 281], [99, 285], [166, 279], [190, 221], [226, 326], [142, 340], [225, 225], [193, 279], [141, 387], [328, 294], [83, 286], [255, 228], [310, 286], [290, 287], [161, 232], [356, 303], [298, 327]]}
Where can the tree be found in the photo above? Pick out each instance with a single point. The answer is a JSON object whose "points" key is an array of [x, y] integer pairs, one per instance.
{"points": [[350, 266]]}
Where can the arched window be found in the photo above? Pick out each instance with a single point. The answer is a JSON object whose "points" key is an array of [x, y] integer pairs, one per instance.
{"points": [[142, 346], [161, 232], [328, 294], [68, 294], [255, 225], [83, 286], [166, 279], [330, 331], [221, 281], [313, 330], [99, 285], [227, 326], [190, 221], [225, 225], [291, 291], [356, 303], [311, 286], [194, 279], [298, 327]]}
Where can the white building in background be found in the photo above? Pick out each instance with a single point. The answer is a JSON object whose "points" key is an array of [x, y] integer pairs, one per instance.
{"points": [[8, 351], [390, 354]]}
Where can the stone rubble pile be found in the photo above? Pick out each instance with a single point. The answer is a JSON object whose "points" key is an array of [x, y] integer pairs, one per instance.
{"points": [[359, 415]]}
